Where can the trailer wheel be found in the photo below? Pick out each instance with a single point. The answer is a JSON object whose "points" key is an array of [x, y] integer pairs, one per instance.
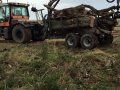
{"points": [[88, 41], [20, 34], [72, 40], [108, 39]]}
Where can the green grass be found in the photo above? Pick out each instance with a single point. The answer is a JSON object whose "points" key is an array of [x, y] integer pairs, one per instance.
{"points": [[53, 66]]}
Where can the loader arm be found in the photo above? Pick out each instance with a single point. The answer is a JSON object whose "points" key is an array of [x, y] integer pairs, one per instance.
{"points": [[53, 4]]}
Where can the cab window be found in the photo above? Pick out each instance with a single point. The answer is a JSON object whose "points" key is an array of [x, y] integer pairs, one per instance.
{"points": [[19, 11], [4, 13]]}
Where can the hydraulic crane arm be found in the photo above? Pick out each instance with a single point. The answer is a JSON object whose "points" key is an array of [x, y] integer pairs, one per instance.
{"points": [[53, 3], [117, 13], [111, 1]]}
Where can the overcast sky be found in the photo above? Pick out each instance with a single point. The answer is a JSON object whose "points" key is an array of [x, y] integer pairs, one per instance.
{"points": [[98, 4]]}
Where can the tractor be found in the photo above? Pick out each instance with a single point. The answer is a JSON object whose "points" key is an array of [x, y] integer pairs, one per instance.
{"points": [[15, 24]]}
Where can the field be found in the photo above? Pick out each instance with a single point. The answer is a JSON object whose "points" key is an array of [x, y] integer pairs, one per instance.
{"points": [[50, 65]]}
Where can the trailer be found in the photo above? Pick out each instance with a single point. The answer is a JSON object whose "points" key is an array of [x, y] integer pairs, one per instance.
{"points": [[82, 25]]}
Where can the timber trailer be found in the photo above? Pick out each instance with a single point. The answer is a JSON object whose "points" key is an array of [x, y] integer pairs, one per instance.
{"points": [[82, 25], [15, 24]]}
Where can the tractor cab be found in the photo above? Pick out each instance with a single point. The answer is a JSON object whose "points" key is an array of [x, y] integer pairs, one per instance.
{"points": [[13, 11]]}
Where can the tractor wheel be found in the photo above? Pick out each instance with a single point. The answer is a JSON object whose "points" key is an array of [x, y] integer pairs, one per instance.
{"points": [[20, 34], [72, 40], [39, 37], [108, 39], [28, 31], [88, 41]]}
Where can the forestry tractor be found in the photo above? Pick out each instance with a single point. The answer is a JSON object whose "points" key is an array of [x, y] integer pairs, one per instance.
{"points": [[15, 24]]}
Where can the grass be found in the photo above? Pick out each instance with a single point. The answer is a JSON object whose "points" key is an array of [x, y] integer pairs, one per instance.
{"points": [[53, 66]]}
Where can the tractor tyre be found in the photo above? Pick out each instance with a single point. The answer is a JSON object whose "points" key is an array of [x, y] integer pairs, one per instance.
{"points": [[89, 41], [29, 35], [20, 34], [39, 33], [39, 37], [72, 40]]}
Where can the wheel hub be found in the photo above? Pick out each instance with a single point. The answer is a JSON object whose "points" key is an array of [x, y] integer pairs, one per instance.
{"points": [[87, 42], [70, 41], [19, 35]]}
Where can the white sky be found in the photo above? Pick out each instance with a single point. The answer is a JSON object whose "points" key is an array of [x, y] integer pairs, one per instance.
{"points": [[98, 4]]}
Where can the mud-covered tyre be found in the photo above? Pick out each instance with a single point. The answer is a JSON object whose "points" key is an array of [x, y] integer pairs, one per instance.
{"points": [[72, 40], [20, 34], [29, 34], [88, 41], [108, 39], [39, 36]]}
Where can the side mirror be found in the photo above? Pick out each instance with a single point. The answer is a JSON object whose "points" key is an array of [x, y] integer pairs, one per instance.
{"points": [[33, 9]]}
